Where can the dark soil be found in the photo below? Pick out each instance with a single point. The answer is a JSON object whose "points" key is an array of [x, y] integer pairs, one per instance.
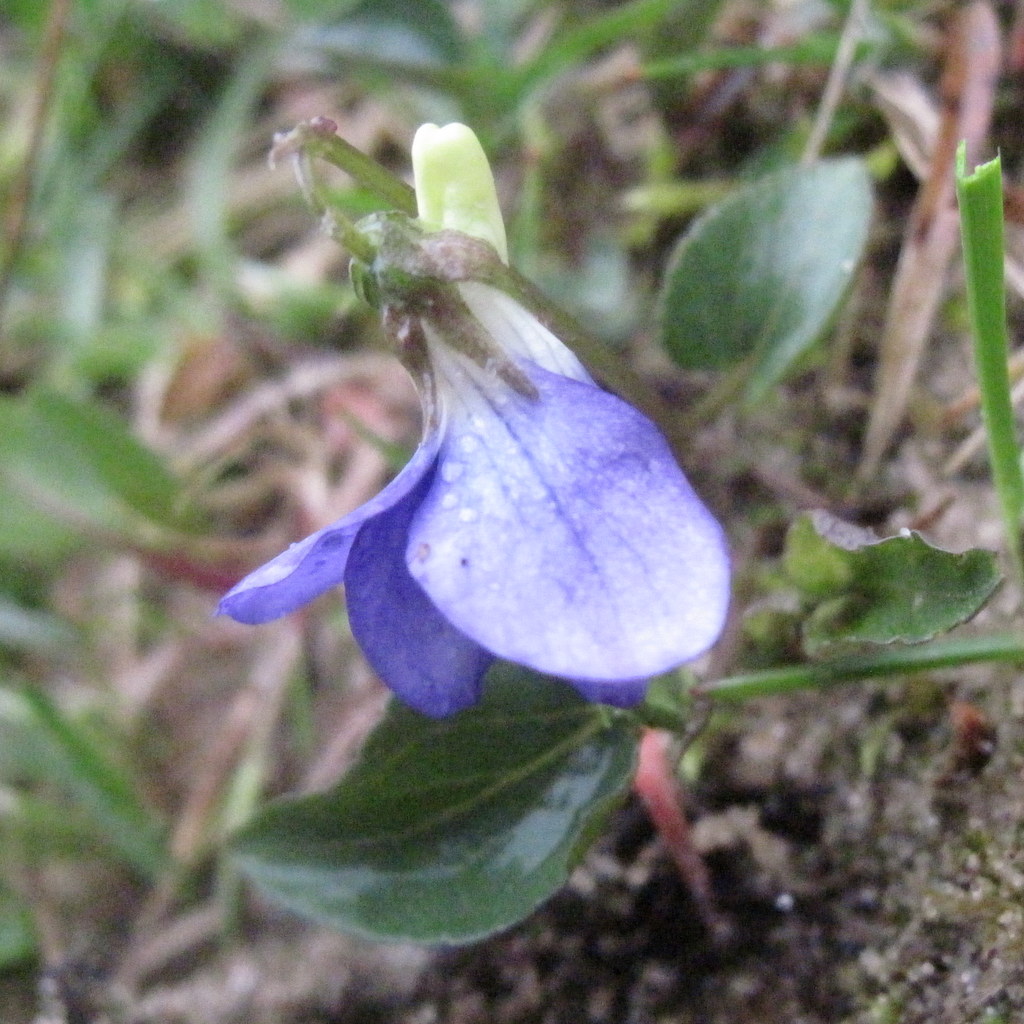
{"points": [[867, 869], [865, 851]]}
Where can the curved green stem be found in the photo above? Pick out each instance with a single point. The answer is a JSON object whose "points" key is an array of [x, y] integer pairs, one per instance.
{"points": [[341, 154], [317, 140], [886, 662]]}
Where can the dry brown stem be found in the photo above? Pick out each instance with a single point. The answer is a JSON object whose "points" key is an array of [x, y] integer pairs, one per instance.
{"points": [[967, 94]]}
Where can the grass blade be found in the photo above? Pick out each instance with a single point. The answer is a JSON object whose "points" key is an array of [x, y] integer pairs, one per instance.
{"points": [[980, 196]]}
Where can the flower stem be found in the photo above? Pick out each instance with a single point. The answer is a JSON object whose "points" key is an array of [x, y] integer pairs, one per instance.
{"points": [[980, 196], [658, 786], [346, 234], [343, 155], [318, 140], [886, 662]]}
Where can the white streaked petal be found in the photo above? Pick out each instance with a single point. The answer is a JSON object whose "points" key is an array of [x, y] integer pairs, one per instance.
{"points": [[518, 333], [561, 534]]}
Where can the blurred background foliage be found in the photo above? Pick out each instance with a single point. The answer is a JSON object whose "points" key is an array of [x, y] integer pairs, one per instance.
{"points": [[187, 382]]}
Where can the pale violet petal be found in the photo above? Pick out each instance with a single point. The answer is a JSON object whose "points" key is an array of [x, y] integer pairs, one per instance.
{"points": [[561, 534], [312, 566], [623, 693], [421, 656], [518, 333]]}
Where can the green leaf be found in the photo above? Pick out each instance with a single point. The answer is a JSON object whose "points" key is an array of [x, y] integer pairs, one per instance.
{"points": [[385, 32], [869, 591], [320, 10], [101, 440], [204, 23], [817, 553], [761, 274], [28, 536], [572, 43], [78, 463], [33, 631], [17, 939], [448, 831], [40, 742]]}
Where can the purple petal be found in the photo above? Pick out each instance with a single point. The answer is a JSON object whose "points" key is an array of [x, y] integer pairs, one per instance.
{"points": [[314, 565], [623, 693], [410, 644], [561, 534]]}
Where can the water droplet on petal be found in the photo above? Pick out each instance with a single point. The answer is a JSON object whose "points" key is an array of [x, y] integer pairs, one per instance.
{"points": [[449, 501], [468, 515], [469, 443], [451, 471]]}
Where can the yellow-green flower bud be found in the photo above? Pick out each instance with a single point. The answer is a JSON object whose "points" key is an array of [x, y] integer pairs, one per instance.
{"points": [[454, 185]]}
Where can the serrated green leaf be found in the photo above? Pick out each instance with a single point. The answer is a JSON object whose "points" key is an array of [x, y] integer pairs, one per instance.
{"points": [[448, 831], [761, 274], [816, 559], [869, 591]]}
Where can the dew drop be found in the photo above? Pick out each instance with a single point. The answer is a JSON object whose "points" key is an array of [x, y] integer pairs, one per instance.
{"points": [[449, 501], [468, 515], [469, 443], [451, 471]]}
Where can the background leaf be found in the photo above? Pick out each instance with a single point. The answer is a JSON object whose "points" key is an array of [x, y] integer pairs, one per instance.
{"points": [[761, 274], [78, 462], [385, 31], [448, 831], [33, 631], [882, 591], [41, 743], [17, 937]]}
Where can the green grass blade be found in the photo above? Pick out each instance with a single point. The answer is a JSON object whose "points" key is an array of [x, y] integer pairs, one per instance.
{"points": [[815, 50], [980, 196], [890, 661], [75, 762]]}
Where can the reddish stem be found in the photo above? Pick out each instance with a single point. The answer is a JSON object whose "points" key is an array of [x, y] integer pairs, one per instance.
{"points": [[658, 786]]}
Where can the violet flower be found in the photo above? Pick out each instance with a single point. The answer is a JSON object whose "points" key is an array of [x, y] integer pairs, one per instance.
{"points": [[541, 519]]}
